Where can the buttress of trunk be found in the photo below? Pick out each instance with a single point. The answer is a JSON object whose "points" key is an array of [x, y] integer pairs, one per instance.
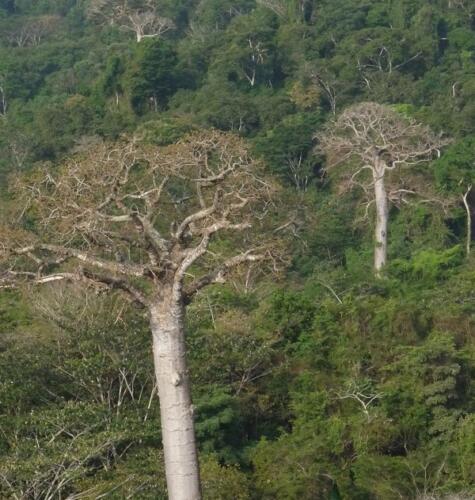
{"points": [[176, 410], [381, 230]]}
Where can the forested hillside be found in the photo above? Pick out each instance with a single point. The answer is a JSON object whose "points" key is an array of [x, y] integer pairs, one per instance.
{"points": [[338, 363]]}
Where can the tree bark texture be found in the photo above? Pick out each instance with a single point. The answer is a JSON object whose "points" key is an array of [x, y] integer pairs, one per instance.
{"points": [[176, 410], [382, 213], [469, 220]]}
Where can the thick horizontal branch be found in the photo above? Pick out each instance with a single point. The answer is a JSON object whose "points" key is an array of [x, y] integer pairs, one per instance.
{"points": [[12, 279], [128, 269], [118, 284]]}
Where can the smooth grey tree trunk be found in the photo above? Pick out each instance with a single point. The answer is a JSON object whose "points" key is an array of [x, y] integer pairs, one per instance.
{"points": [[382, 213], [469, 220], [176, 410]]}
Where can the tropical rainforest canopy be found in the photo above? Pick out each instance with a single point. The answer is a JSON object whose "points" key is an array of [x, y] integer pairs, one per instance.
{"points": [[314, 378]]}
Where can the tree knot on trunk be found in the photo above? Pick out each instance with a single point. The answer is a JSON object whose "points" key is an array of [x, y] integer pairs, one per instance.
{"points": [[177, 379]]}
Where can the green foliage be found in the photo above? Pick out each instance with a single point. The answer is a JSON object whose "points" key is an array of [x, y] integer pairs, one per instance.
{"points": [[223, 481], [250, 57], [217, 422], [428, 266], [456, 169], [322, 384], [219, 105], [291, 314], [418, 227], [287, 148], [153, 77], [432, 371], [165, 131]]}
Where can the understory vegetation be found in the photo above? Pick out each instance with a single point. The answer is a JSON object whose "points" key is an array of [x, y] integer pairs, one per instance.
{"points": [[320, 380]]}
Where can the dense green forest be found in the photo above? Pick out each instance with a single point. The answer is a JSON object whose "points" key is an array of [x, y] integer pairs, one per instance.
{"points": [[316, 379]]}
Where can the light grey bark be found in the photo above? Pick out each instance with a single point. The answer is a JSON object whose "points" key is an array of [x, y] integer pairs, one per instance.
{"points": [[176, 409], [382, 213], [122, 211], [374, 137], [3, 102], [469, 220]]}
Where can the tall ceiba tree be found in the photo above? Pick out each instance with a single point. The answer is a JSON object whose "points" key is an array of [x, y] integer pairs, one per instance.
{"points": [[157, 224], [137, 16], [375, 148]]}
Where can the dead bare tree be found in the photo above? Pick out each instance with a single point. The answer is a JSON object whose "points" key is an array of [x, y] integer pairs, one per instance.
{"points": [[459, 4], [3, 97], [382, 61], [257, 56], [278, 7], [18, 37], [283, 8], [328, 88], [361, 393], [41, 27], [375, 145], [33, 31], [140, 18], [468, 210], [53, 480], [18, 147], [298, 172], [147, 221]]}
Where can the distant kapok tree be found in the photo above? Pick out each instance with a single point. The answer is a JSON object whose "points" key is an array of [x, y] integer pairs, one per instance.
{"points": [[139, 17], [372, 147]]}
